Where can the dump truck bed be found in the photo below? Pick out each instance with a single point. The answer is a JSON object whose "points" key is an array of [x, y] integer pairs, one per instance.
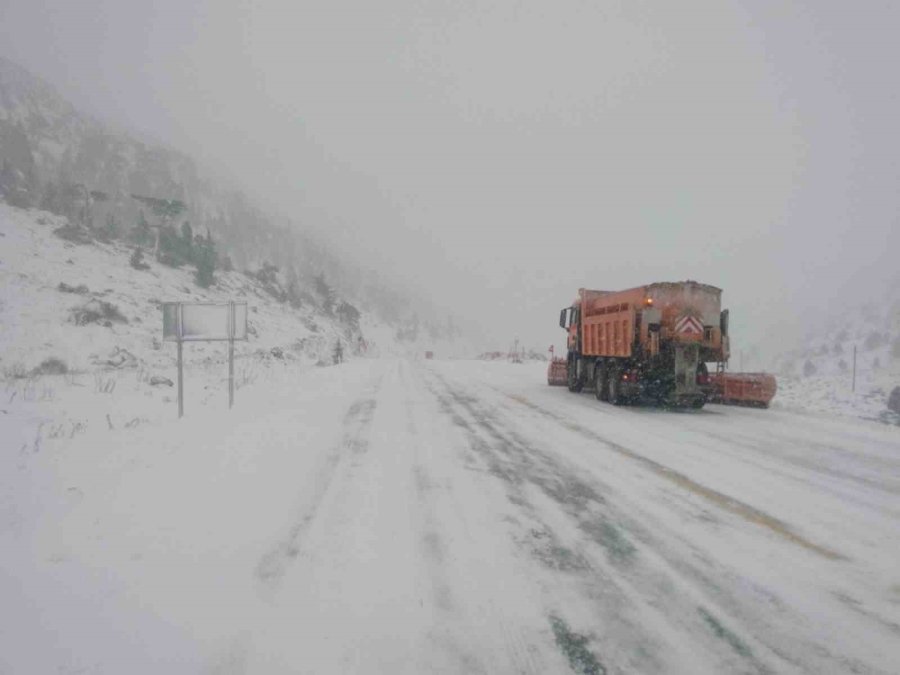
{"points": [[684, 310]]}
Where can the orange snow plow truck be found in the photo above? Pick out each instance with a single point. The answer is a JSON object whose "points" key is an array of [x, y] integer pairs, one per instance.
{"points": [[651, 342]]}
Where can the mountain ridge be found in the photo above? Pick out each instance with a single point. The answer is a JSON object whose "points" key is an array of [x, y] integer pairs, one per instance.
{"points": [[54, 157]]}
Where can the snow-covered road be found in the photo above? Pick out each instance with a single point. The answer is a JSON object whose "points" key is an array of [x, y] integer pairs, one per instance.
{"points": [[457, 517]]}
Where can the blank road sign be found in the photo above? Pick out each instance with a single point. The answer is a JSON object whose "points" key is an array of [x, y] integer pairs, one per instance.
{"points": [[200, 321]]}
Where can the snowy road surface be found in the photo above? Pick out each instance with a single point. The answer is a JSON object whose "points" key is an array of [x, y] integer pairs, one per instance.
{"points": [[455, 517]]}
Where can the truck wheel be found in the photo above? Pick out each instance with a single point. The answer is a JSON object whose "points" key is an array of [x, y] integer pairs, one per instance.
{"points": [[613, 390], [576, 384], [600, 383], [698, 403]]}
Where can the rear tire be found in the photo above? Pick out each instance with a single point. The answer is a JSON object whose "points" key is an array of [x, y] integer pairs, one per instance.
{"points": [[613, 390], [600, 383], [576, 384]]}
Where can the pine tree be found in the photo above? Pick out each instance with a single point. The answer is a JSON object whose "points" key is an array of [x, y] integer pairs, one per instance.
{"points": [[187, 241], [142, 234], [293, 288], [326, 293], [205, 260], [137, 260], [348, 315], [166, 210]]}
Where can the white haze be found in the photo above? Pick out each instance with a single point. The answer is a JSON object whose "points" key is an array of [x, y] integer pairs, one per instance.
{"points": [[500, 155]]}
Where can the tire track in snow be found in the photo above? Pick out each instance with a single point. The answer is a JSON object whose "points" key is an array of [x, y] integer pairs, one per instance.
{"points": [[522, 655], [774, 454], [431, 543], [723, 501], [520, 467], [634, 575], [434, 554], [274, 564], [779, 633]]}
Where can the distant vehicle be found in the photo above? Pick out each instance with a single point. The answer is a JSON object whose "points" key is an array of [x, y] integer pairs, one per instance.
{"points": [[651, 342]]}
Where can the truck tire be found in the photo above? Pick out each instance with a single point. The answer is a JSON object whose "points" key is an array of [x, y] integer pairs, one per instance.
{"points": [[576, 384], [702, 371], [613, 390], [600, 383]]}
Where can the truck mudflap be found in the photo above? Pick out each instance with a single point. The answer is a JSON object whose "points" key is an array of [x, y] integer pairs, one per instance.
{"points": [[557, 374], [687, 359], [750, 389]]}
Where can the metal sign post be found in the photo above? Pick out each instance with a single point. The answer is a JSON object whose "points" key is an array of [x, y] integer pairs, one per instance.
{"points": [[230, 354], [180, 382], [206, 322], [179, 322]]}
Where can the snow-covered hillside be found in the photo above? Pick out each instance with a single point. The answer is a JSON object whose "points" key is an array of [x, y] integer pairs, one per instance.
{"points": [[51, 286], [818, 376], [81, 333]]}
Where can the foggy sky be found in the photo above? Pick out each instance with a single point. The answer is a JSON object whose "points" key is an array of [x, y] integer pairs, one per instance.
{"points": [[502, 154]]}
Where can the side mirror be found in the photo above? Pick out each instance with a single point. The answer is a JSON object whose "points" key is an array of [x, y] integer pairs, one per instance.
{"points": [[723, 322], [564, 318]]}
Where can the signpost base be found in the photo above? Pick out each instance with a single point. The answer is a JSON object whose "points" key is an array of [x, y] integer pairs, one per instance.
{"points": [[206, 322], [230, 373], [180, 382]]}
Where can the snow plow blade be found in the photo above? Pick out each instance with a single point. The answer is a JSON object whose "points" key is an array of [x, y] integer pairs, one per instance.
{"points": [[750, 389], [556, 373]]}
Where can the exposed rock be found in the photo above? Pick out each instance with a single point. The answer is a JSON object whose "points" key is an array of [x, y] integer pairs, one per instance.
{"points": [[118, 358], [80, 289], [97, 311], [893, 402], [51, 366], [159, 380], [74, 233]]}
